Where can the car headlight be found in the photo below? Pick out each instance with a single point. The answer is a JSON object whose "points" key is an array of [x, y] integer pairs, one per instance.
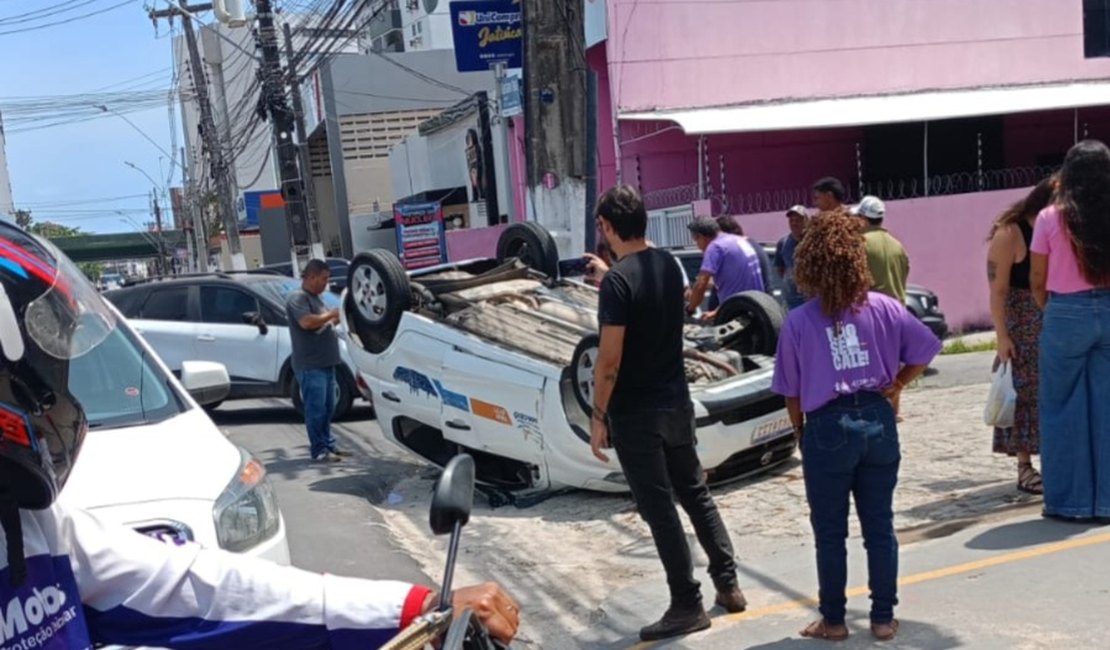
{"points": [[246, 513]]}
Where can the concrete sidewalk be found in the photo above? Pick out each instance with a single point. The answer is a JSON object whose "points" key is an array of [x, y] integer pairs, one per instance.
{"points": [[1022, 583]]}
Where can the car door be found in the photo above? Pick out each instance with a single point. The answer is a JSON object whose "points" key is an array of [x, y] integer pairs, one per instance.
{"points": [[492, 407], [250, 352], [163, 319]]}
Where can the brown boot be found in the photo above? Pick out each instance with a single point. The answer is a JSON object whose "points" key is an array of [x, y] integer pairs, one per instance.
{"points": [[732, 600], [676, 622]]}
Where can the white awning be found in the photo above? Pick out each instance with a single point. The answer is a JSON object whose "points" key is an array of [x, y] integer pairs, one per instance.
{"points": [[881, 109]]}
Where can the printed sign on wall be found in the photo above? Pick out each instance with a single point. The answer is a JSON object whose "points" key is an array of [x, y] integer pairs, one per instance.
{"points": [[486, 33], [421, 239]]}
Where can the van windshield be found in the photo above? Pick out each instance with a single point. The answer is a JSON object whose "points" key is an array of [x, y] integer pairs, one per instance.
{"points": [[119, 385]]}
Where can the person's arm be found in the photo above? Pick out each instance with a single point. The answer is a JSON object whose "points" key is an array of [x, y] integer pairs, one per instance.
{"points": [[1000, 260], [917, 347], [697, 292], [1038, 278], [797, 418], [139, 591], [780, 263], [608, 367], [787, 378], [300, 312]]}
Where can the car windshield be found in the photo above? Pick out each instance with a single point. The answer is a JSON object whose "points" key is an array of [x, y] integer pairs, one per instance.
{"points": [[121, 386], [276, 290]]}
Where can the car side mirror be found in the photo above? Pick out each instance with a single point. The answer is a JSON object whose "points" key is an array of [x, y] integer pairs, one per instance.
{"points": [[255, 318], [206, 381], [454, 496]]}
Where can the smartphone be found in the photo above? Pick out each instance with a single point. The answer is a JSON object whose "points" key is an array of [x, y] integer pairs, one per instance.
{"points": [[573, 267]]}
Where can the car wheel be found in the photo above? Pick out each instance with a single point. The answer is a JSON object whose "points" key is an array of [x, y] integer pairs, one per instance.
{"points": [[529, 242], [582, 364], [762, 317], [378, 292], [344, 397]]}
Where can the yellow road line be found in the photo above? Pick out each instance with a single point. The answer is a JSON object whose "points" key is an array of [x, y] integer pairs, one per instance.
{"points": [[937, 574]]}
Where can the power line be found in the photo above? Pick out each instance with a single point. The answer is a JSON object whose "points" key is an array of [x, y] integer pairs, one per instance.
{"points": [[67, 20]]}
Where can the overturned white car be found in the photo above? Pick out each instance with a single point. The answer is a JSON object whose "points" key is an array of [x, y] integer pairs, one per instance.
{"points": [[495, 358]]}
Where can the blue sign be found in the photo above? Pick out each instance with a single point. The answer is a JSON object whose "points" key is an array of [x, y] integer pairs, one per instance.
{"points": [[421, 237], [487, 32], [510, 97]]}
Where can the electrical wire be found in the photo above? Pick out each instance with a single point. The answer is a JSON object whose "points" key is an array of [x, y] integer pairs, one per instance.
{"points": [[67, 20]]}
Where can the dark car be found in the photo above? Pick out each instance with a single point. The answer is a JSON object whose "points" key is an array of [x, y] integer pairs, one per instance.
{"points": [[922, 302], [338, 267]]}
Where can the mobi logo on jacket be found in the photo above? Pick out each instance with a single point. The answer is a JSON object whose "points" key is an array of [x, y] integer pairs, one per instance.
{"points": [[45, 611]]}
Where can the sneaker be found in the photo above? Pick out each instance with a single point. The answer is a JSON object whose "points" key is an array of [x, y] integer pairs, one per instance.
{"points": [[732, 600], [326, 457], [677, 622], [342, 453]]}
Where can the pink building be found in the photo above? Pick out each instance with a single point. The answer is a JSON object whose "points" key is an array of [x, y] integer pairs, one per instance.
{"points": [[948, 109]]}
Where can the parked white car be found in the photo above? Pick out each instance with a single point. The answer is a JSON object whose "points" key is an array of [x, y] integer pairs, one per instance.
{"points": [[496, 359], [236, 319]]}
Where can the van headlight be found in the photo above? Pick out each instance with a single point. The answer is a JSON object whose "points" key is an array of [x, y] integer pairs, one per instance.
{"points": [[246, 514]]}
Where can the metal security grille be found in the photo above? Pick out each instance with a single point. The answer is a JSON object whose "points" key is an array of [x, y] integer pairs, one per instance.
{"points": [[372, 135]]}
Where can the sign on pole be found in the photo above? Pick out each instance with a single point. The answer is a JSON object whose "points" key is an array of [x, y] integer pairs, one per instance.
{"points": [[421, 239], [487, 32]]}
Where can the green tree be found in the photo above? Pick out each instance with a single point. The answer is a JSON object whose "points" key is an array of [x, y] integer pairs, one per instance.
{"points": [[49, 230]]}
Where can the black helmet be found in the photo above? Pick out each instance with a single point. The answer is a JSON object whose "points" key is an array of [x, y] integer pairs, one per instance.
{"points": [[49, 315]]}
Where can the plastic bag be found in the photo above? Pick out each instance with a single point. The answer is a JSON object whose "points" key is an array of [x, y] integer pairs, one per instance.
{"points": [[999, 411]]}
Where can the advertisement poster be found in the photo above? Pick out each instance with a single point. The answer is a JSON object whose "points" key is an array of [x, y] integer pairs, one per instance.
{"points": [[421, 238], [486, 33]]}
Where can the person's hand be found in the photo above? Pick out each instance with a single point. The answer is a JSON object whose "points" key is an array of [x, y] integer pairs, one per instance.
{"points": [[709, 316], [599, 439], [595, 266], [333, 315], [497, 611], [1005, 351], [893, 393]]}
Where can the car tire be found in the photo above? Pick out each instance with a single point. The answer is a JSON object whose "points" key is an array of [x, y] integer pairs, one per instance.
{"points": [[344, 398], [378, 294], [582, 364], [532, 244], [765, 317]]}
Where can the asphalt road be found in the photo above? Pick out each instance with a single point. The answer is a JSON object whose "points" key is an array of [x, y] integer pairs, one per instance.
{"points": [[329, 515]]}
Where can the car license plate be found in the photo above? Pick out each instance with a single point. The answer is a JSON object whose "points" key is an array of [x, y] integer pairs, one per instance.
{"points": [[772, 429]]}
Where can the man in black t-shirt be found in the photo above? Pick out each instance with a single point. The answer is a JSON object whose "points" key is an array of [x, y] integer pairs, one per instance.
{"points": [[642, 405]]}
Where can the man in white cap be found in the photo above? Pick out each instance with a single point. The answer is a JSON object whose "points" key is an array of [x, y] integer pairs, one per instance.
{"points": [[890, 266]]}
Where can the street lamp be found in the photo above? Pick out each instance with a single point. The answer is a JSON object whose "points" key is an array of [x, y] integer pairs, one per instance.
{"points": [[156, 243], [141, 132]]}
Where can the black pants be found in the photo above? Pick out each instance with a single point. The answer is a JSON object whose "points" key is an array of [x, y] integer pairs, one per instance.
{"points": [[656, 452]]}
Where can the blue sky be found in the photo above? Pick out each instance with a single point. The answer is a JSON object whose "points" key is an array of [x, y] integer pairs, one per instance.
{"points": [[83, 162]]}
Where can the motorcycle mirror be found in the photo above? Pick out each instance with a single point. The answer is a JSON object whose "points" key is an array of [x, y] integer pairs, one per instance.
{"points": [[454, 495]]}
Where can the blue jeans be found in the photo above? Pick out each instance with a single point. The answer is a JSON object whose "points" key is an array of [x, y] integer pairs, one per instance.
{"points": [[850, 447], [318, 393], [1074, 405]]}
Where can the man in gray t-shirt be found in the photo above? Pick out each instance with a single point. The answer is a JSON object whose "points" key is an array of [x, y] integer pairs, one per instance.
{"points": [[315, 356]]}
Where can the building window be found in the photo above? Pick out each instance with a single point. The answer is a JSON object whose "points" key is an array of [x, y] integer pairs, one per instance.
{"points": [[1096, 28]]}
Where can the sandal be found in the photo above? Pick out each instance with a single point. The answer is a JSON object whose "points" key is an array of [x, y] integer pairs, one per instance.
{"points": [[821, 630], [1029, 479], [885, 631]]}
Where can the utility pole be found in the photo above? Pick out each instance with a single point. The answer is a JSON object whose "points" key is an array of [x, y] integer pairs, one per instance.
{"points": [[208, 133], [302, 140], [275, 106], [555, 119], [161, 237], [198, 243]]}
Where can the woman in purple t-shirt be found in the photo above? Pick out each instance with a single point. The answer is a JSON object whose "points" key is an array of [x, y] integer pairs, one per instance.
{"points": [[1070, 279], [842, 358]]}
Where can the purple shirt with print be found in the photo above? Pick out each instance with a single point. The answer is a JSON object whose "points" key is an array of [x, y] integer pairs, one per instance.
{"points": [[734, 265], [819, 364]]}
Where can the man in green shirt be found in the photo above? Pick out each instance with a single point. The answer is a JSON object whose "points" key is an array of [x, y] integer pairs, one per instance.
{"points": [[890, 266]]}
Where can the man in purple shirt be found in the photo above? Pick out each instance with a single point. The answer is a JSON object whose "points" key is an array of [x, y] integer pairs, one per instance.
{"points": [[843, 357], [730, 263]]}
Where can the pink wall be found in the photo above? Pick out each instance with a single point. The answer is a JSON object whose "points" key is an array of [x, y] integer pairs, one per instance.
{"points": [[945, 238], [471, 243], [685, 53]]}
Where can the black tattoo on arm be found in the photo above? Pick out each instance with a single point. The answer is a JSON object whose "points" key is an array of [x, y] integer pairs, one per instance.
{"points": [[992, 270], [610, 378]]}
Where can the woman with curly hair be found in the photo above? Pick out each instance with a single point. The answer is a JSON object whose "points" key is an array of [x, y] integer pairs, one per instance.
{"points": [[1017, 324], [843, 357], [1070, 276]]}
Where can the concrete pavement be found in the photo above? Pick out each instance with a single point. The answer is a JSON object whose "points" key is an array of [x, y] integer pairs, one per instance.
{"points": [[1021, 583]]}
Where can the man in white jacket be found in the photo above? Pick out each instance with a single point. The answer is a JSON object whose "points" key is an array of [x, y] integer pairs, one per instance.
{"points": [[69, 581]]}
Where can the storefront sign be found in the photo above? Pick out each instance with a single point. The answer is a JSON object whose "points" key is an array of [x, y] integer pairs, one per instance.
{"points": [[487, 32], [421, 240]]}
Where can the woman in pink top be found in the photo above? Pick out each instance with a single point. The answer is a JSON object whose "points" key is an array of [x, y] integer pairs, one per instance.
{"points": [[842, 357], [1070, 278]]}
